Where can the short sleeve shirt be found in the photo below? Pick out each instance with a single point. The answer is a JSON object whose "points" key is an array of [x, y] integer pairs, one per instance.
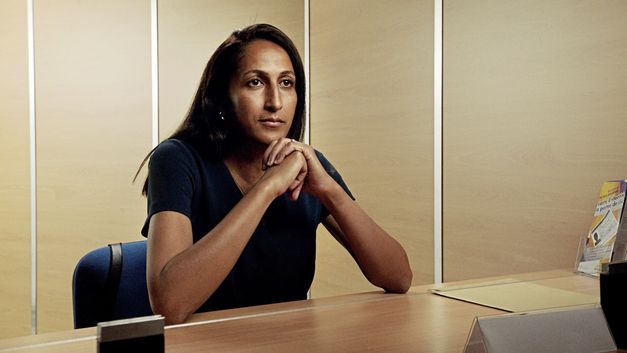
{"points": [[278, 262]]}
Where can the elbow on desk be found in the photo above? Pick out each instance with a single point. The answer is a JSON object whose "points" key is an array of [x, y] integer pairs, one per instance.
{"points": [[172, 317], [397, 290], [398, 283], [401, 286], [172, 312]]}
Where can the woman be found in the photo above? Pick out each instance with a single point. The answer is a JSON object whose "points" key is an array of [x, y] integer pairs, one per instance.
{"points": [[234, 198]]}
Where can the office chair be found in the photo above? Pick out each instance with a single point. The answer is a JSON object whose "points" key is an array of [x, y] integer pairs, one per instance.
{"points": [[109, 283]]}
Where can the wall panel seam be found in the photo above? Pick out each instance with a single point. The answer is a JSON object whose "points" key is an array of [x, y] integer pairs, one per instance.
{"points": [[154, 56], [437, 143], [33, 161], [307, 137]]}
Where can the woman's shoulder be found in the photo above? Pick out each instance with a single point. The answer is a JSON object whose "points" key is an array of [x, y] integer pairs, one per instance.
{"points": [[173, 145], [174, 148], [173, 151], [182, 154]]}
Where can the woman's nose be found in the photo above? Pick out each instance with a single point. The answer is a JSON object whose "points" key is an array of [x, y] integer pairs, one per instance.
{"points": [[273, 99]]}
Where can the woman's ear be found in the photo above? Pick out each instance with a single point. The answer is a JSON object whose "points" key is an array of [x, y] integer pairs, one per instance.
{"points": [[225, 107], [207, 105]]}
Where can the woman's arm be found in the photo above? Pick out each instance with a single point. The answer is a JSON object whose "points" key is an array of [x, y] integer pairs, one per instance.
{"points": [[381, 258], [181, 275]]}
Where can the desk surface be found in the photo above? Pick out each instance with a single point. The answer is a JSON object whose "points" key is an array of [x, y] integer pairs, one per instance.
{"points": [[414, 322]]}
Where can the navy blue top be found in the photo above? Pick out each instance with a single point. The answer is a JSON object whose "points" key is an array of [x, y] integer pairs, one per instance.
{"points": [[278, 262]]}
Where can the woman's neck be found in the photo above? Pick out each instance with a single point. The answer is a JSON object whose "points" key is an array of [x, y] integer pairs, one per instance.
{"points": [[245, 165]]}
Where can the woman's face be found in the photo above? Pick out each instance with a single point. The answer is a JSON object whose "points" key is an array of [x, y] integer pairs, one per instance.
{"points": [[263, 92]]}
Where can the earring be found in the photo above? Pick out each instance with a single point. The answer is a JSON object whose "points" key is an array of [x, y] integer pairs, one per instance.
{"points": [[221, 116]]}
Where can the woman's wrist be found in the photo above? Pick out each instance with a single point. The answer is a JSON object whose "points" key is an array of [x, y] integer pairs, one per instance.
{"points": [[331, 194], [266, 189]]}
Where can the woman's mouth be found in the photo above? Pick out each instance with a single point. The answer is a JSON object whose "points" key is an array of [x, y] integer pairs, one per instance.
{"points": [[271, 122]]}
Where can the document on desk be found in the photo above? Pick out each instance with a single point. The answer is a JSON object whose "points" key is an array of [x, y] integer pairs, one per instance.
{"points": [[513, 296]]}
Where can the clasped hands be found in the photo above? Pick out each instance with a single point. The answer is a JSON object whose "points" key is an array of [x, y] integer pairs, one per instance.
{"points": [[295, 167]]}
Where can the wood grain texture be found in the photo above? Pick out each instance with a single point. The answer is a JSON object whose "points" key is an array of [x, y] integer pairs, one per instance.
{"points": [[375, 322], [372, 116], [15, 259], [399, 323], [534, 122], [189, 33], [93, 121]]}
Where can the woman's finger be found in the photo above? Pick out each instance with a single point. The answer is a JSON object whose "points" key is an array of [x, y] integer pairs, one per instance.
{"points": [[299, 182], [291, 173], [272, 150], [290, 147], [284, 147], [296, 192], [295, 184], [266, 154]]}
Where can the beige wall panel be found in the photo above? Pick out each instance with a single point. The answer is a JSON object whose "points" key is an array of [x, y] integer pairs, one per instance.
{"points": [[15, 260], [534, 122], [189, 32], [372, 116], [93, 130]]}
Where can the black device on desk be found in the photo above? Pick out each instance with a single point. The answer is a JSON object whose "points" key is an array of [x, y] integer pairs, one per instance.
{"points": [[143, 334], [614, 301]]}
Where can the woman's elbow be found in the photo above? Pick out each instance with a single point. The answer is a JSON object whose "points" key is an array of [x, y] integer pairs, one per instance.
{"points": [[401, 284], [169, 309], [397, 282]]}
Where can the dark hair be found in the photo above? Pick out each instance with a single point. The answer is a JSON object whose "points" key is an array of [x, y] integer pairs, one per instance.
{"points": [[203, 127]]}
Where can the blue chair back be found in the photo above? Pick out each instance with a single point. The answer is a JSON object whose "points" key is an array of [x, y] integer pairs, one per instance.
{"points": [[102, 293]]}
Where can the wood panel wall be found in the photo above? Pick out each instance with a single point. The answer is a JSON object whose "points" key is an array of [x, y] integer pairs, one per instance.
{"points": [[15, 259], [372, 116], [534, 121], [190, 31], [93, 105], [93, 129]]}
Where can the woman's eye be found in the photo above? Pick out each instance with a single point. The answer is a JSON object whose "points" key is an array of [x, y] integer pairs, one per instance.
{"points": [[254, 82], [287, 83]]}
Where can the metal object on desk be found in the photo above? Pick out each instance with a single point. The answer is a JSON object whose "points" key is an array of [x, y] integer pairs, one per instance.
{"points": [[142, 334], [566, 330]]}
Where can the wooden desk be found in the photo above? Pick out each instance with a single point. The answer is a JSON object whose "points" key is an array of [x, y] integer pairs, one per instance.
{"points": [[414, 322]]}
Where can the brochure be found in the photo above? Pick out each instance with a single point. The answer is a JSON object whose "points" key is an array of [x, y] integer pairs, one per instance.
{"points": [[608, 230]]}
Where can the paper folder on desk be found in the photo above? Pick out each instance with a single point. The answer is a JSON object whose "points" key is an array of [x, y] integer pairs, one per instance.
{"points": [[513, 296]]}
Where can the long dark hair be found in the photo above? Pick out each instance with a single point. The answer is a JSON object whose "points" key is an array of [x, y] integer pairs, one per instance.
{"points": [[203, 126]]}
